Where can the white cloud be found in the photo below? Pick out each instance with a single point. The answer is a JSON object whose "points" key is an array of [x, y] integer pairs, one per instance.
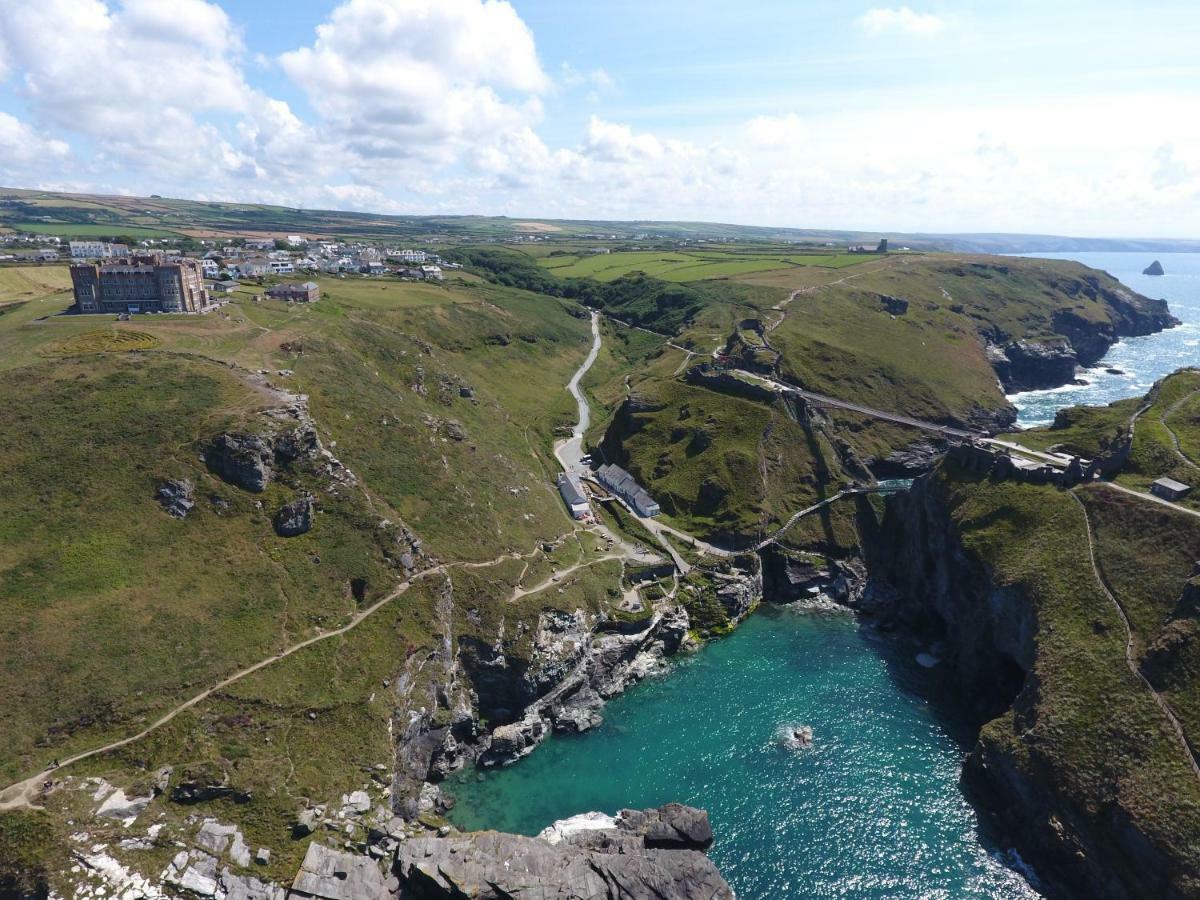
{"points": [[146, 82], [22, 150], [403, 78], [597, 79], [899, 20], [775, 131], [611, 142]]}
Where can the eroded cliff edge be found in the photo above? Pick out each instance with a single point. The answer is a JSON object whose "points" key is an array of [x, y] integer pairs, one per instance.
{"points": [[1073, 761]]}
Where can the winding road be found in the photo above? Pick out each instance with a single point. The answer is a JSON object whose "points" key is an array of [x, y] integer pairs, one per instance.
{"points": [[570, 452]]}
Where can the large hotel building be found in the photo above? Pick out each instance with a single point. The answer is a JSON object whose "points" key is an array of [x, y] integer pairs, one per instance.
{"points": [[140, 284]]}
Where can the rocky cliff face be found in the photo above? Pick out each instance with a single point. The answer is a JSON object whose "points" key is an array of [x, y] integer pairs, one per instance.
{"points": [[924, 578], [1082, 340]]}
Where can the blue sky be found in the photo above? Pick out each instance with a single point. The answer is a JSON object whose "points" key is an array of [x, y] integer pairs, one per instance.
{"points": [[1079, 118]]}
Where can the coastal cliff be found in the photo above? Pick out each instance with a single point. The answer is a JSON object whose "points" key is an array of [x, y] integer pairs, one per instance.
{"points": [[1083, 334], [1072, 761]]}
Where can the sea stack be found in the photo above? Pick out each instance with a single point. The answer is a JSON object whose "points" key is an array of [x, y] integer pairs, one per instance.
{"points": [[1155, 268]]}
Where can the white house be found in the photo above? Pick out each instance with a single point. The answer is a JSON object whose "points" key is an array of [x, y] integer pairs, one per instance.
{"points": [[96, 250], [255, 267], [211, 268], [412, 256], [295, 240], [282, 267], [431, 273]]}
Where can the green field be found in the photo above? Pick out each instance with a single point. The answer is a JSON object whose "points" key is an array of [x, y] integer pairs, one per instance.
{"points": [[86, 230], [686, 266]]}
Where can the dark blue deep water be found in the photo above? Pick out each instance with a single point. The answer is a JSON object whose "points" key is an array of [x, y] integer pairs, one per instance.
{"points": [[872, 809], [1143, 360]]}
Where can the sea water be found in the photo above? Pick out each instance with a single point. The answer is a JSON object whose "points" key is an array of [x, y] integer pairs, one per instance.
{"points": [[1141, 360], [873, 808]]}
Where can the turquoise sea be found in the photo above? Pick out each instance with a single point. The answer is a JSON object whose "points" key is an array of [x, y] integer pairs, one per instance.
{"points": [[872, 809], [1142, 360]]}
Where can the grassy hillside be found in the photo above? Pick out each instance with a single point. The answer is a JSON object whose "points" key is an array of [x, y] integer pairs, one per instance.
{"points": [[118, 607], [930, 361]]}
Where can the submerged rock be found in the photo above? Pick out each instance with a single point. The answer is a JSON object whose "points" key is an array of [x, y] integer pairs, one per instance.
{"points": [[796, 737]]}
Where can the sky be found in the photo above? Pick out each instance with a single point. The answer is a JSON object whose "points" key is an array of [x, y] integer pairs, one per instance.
{"points": [[1054, 116]]}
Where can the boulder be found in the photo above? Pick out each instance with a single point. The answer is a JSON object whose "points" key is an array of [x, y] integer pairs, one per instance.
{"points": [[175, 496], [593, 856], [897, 306], [332, 875], [295, 518], [117, 806]]}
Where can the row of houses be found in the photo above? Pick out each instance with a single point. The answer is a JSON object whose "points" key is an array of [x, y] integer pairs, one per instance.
{"points": [[626, 487]]}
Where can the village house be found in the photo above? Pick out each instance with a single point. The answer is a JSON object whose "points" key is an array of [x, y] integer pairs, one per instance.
{"points": [[140, 284], [308, 292], [431, 273]]}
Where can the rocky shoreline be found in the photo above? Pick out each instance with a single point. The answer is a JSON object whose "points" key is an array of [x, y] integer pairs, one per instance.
{"points": [[1081, 341]]}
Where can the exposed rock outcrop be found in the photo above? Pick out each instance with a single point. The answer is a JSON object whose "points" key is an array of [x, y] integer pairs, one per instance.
{"points": [[176, 497], [295, 518], [249, 460], [1155, 268], [639, 854]]}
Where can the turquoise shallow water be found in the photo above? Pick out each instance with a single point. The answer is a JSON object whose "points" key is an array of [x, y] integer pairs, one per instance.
{"points": [[1143, 360], [872, 809]]}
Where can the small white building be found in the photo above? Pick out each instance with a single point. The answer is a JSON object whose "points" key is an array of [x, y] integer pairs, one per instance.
{"points": [[282, 267], [412, 256], [431, 273], [572, 493], [296, 240], [211, 268]]}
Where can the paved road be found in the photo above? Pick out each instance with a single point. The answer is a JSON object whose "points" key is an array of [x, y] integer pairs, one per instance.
{"points": [[1130, 649], [1150, 497], [570, 451]]}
